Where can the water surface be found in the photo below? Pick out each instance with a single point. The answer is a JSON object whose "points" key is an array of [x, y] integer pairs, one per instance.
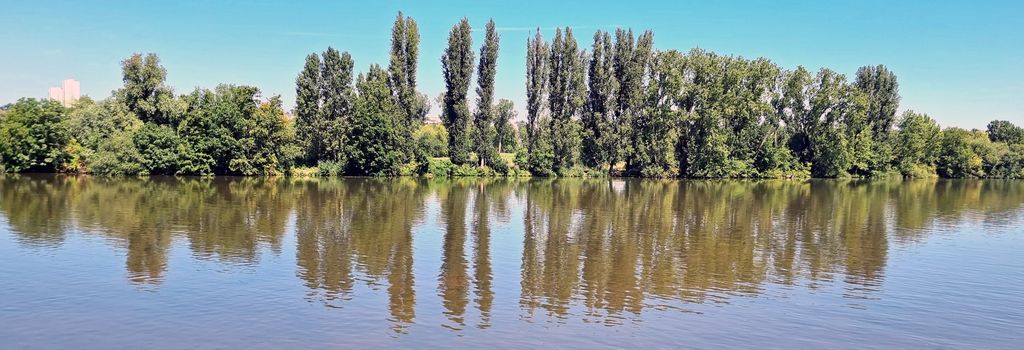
{"points": [[171, 263]]}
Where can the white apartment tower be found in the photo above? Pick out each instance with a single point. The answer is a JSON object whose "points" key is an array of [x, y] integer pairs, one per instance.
{"points": [[70, 90]]}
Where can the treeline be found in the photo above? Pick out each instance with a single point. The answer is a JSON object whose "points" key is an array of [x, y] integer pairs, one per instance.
{"points": [[145, 129], [619, 108]]}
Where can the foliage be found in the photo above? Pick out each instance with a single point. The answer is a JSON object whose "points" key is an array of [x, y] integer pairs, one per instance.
{"points": [[441, 167], [915, 144], [308, 117], [405, 41], [598, 126], [485, 133], [1004, 131], [536, 152], [432, 140], [624, 108], [457, 67], [506, 134], [565, 99], [144, 92], [34, 136], [377, 141], [957, 157]]}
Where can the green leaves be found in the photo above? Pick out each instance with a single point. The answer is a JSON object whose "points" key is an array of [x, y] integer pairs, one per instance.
{"points": [[457, 67], [377, 139], [34, 136]]}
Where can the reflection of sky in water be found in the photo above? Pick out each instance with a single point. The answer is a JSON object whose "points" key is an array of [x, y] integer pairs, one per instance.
{"points": [[288, 263]]}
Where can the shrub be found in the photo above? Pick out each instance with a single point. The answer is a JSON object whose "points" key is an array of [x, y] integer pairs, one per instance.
{"points": [[330, 168], [440, 167]]}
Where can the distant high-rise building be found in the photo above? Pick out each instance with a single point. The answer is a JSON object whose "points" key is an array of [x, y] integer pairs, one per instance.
{"points": [[70, 90], [56, 94]]}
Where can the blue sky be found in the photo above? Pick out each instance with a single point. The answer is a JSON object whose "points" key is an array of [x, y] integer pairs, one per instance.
{"points": [[961, 62]]}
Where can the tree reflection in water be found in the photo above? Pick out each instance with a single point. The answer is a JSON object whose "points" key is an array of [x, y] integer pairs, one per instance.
{"points": [[598, 250]]}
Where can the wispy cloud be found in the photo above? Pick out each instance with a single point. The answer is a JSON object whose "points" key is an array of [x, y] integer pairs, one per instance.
{"points": [[319, 34], [528, 29]]}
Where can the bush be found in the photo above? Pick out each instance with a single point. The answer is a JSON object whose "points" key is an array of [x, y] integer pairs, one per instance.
{"points": [[304, 172], [432, 140], [921, 171], [583, 172], [330, 168], [440, 167], [465, 170]]}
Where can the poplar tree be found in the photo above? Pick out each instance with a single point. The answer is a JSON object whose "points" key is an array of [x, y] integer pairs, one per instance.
{"points": [[484, 120], [634, 98], [405, 42], [308, 118], [565, 99], [457, 67], [630, 63], [537, 148], [337, 98], [598, 130]]}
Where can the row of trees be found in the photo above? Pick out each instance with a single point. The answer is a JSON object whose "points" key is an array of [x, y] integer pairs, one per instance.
{"points": [[378, 128], [622, 108], [143, 128], [701, 115]]}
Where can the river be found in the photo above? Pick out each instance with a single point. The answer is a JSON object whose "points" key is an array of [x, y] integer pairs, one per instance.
{"points": [[271, 263]]}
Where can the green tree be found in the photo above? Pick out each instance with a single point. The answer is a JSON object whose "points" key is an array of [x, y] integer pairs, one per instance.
{"points": [[33, 136], [793, 108], [157, 146], [916, 144], [598, 129], [144, 92], [377, 138], [654, 153], [1005, 131], [405, 43], [457, 67], [266, 145], [308, 116], [505, 131], [882, 90], [485, 133], [337, 99], [1009, 164], [632, 57], [536, 89], [432, 140], [565, 99], [957, 158], [829, 147]]}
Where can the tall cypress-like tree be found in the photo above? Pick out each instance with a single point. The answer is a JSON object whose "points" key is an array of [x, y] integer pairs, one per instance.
{"points": [[405, 42], [628, 90], [538, 155], [639, 61], [457, 66], [597, 128], [308, 118], [337, 98], [565, 99], [484, 119]]}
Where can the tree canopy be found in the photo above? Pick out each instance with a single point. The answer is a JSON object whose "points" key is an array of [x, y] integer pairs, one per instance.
{"points": [[616, 106]]}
